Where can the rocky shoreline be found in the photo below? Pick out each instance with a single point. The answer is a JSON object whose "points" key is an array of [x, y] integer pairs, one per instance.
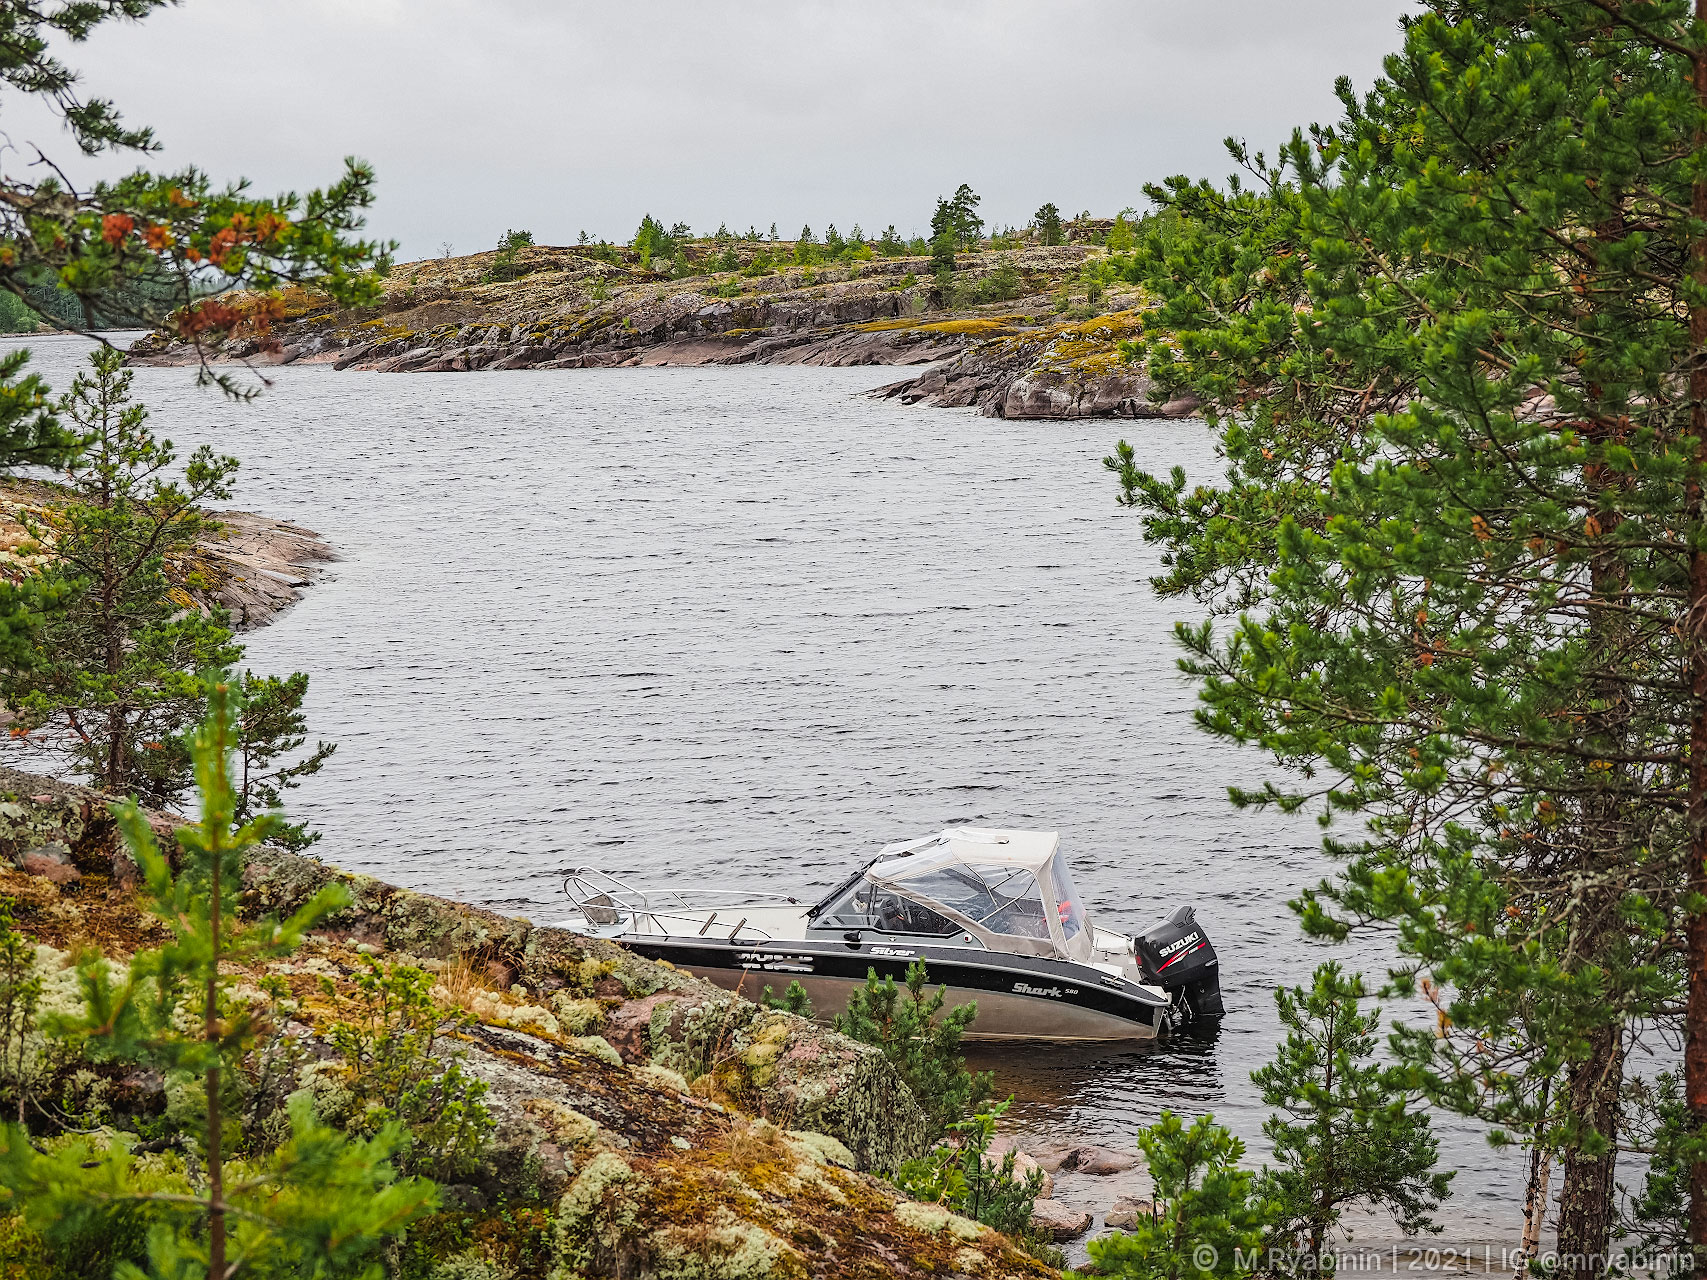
{"points": [[253, 566], [618, 1084], [665, 1126], [1015, 356]]}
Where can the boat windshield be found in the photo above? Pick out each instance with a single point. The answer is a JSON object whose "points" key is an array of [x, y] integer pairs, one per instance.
{"points": [[1069, 907], [869, 906], [1004, 900], [1011, 888]]}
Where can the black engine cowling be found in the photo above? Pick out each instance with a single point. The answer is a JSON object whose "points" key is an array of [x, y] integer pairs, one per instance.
{"points": [[1177, 956]]}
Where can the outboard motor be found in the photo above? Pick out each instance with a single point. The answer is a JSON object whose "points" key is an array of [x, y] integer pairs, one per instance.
{"points": [[1177, 957]]}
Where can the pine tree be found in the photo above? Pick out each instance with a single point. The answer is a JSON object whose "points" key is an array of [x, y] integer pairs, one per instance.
{"points": [[964, 220], [156, 250], [1448, 345], [273, 725], [1343, 1132], [322, 1204], [117, 666], [1048, 222], [1208, 1219], [921, 1041]]}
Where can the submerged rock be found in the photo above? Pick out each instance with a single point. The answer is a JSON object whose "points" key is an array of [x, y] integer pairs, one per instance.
{"points": [[1126, 1212], [1058, 1221]]}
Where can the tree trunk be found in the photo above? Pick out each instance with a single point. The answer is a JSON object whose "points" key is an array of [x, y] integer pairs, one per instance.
{"points": [[1695, 1032], [1535, 1196], [1586, 1198], [211, 1031]]}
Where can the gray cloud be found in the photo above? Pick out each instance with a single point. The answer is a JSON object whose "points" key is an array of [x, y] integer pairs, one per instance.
{"points": [[564, 116]]}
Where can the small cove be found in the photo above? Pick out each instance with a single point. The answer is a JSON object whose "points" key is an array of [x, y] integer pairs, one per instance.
{"points": [[745, 625]]}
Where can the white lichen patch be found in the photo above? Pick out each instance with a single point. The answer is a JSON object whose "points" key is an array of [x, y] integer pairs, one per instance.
{"points": [[577, 1015], [823, 1148], [656, 1074], [566, 1125], [970, 1261], [599, 1047], [470, 1265], [533, 1017], [726, 1248], [933, 1219]]}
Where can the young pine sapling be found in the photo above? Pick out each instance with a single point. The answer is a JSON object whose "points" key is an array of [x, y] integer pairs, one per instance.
{"points": [[1344, 1129]]}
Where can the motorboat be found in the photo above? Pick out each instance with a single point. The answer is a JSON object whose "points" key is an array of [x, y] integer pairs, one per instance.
{"points": [[993, 914]]}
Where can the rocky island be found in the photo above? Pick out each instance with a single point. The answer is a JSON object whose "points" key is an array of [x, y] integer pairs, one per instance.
{"points": [[1030, 331]]}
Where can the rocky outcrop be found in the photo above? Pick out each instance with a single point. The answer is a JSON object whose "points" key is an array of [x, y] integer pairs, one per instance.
{"points": [[776, 1065], [573, 308], [664, 1127], [1059, 1221], [252, 566], [1126, 1212], [260, 566], [1072, 370], [998, 335]]}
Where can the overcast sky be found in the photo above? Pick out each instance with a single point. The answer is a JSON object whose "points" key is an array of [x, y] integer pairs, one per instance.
{"points": [[558, 116]]}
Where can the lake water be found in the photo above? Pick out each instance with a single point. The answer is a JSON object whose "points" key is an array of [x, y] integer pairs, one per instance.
{"points": [[745, 625]]}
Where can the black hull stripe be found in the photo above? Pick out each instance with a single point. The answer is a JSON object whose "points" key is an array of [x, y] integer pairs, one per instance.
{"points": [[776, 964]]}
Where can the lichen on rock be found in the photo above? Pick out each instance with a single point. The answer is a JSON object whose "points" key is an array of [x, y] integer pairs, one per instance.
{"points": [[604, 1157]]}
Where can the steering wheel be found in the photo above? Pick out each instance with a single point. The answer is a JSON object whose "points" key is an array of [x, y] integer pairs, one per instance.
{"points": [[890, 912]]}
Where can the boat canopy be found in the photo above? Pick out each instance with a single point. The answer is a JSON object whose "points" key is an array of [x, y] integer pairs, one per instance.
{"points": [[1011, 890]]}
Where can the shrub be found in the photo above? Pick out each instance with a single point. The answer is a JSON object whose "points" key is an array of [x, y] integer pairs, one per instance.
{"points": [[921, 1042], [652, 241], [1206, 1214], [16, 315], [962, 1177], [20, 996], [794, 1000], [1344, 1131], [395, 1075], [320, 1204], [1001, 285], [506, 265]]}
